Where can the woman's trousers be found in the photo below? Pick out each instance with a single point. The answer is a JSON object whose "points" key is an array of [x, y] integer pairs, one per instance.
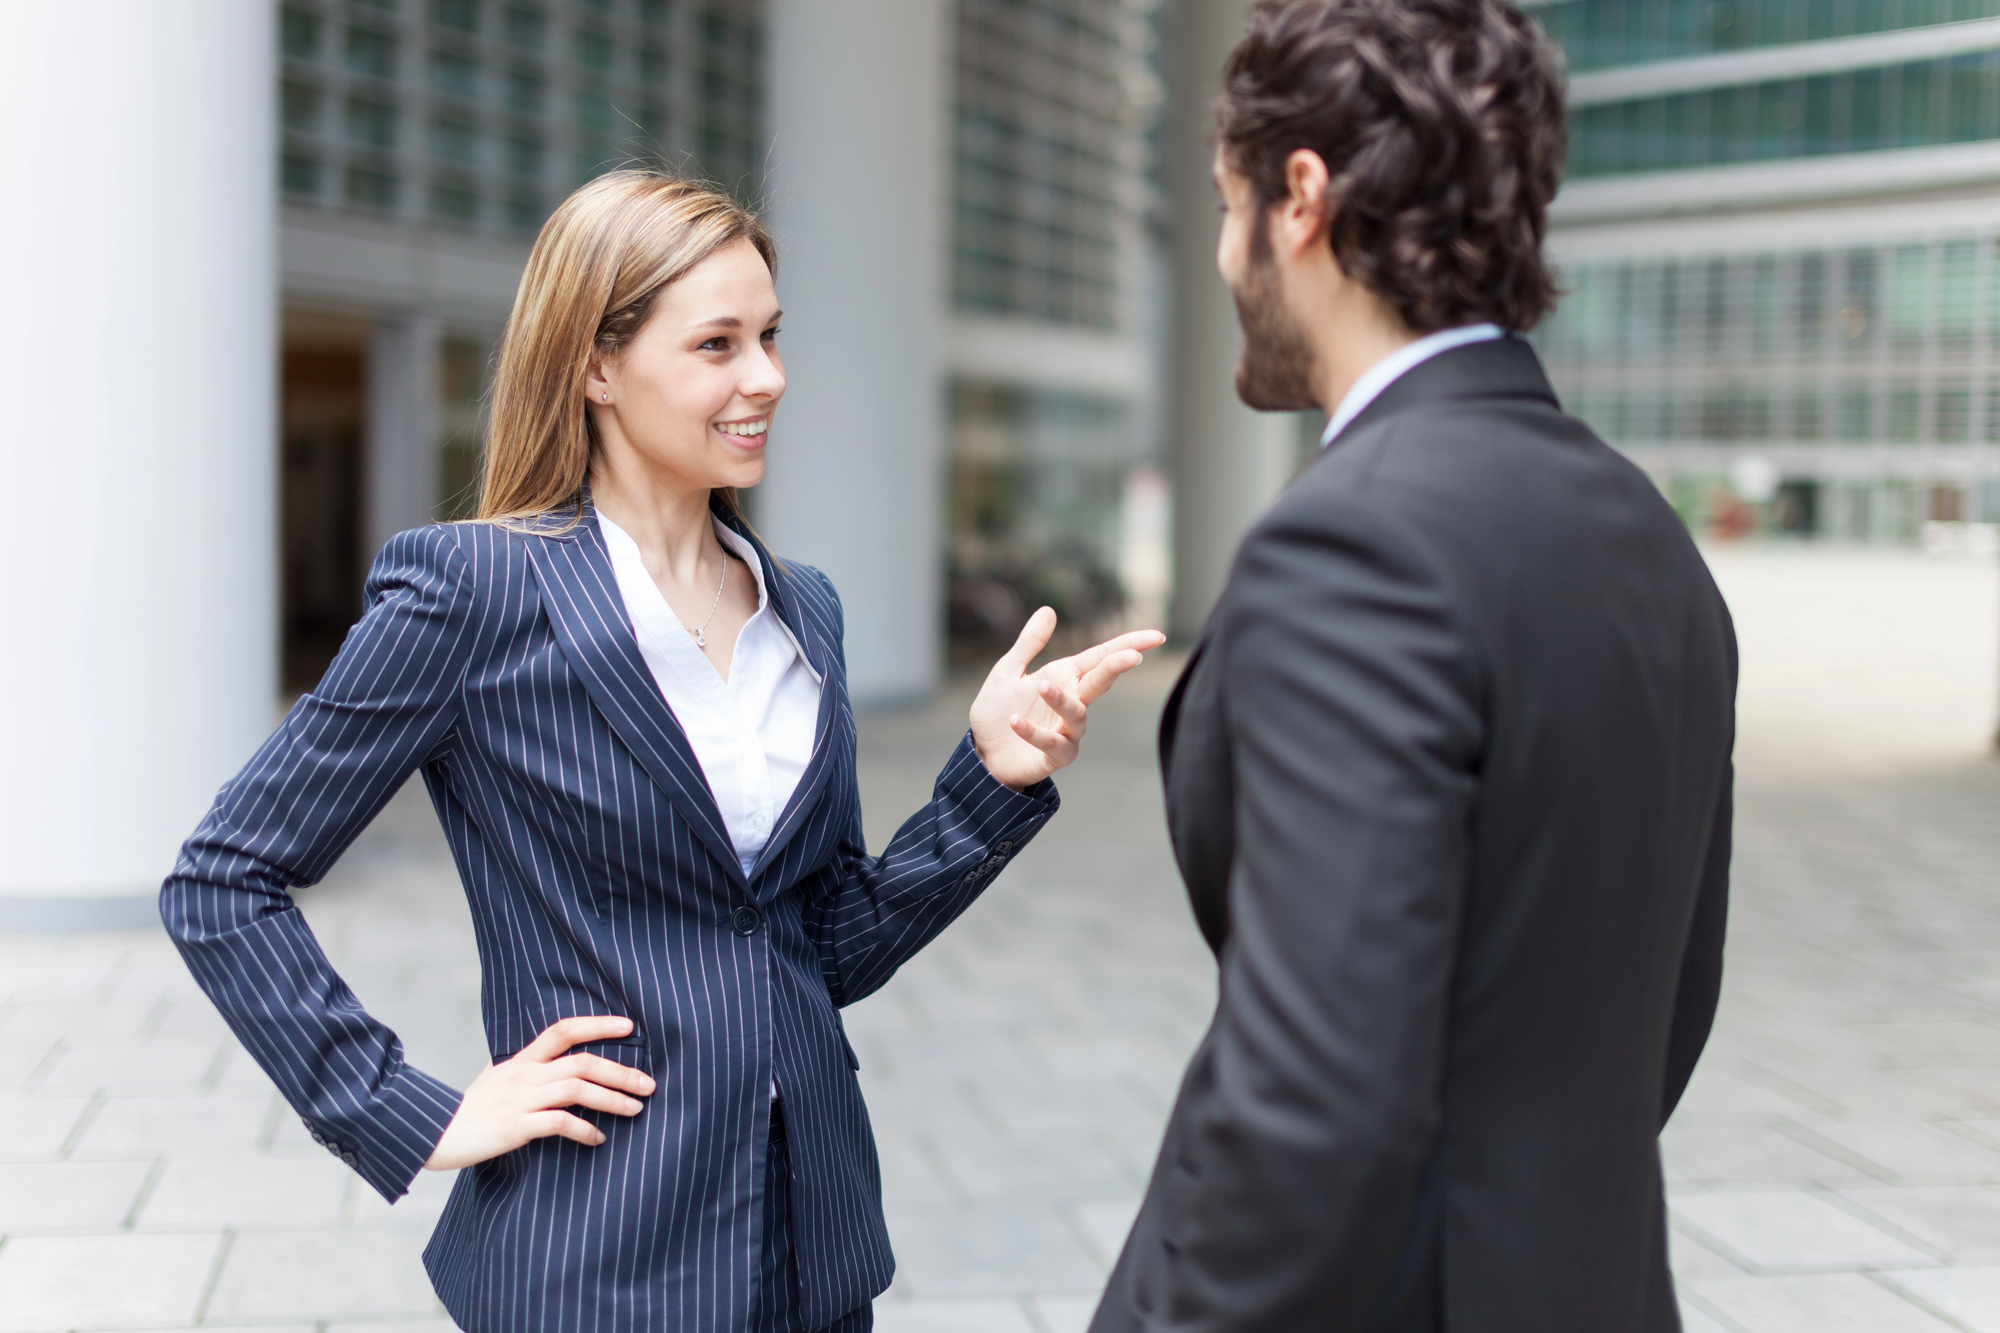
{"points": [[778, 1284]]}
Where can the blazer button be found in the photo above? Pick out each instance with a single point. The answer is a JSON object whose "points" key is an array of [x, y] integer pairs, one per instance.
{"points": [[1003, 849], [745, 920]]}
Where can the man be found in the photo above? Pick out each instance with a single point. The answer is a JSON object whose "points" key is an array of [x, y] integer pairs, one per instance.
{"points": [[1448, 773]]}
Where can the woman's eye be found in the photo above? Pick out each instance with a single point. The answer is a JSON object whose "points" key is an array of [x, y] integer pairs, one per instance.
{"points": [[718, 343], [771, 335]]}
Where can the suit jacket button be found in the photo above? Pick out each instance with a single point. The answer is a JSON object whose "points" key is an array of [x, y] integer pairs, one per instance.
{"points": [[1003, 849], [967, 880], [745, 920]]}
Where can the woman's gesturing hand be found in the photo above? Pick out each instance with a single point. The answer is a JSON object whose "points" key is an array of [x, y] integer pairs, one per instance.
{"points": [[1026, 726], [520, 1098]]}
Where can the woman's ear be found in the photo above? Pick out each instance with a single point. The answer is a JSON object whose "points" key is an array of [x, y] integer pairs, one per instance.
{"points": [[596, 380]]}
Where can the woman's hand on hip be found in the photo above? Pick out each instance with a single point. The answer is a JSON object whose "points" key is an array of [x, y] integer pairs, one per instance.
{"points": [[1027, 725], [521, 1098]]}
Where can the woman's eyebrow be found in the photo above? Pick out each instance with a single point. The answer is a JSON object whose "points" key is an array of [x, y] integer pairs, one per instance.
{"points": [[731, 322]]}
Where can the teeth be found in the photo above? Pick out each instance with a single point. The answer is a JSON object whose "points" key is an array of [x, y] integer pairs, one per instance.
{"points": [[747, 427]]}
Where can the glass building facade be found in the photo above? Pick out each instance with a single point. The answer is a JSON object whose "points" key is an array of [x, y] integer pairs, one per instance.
{"points": [[1780, 241], [1054, 489], [480, 114]]}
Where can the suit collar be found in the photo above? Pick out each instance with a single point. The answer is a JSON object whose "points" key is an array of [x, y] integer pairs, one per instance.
{"points": [[580, 590], [580, 595], [823, 657], [1501, 368]]}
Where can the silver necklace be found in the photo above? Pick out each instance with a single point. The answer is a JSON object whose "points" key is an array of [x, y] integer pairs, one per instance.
{"points": [[700, 639]]}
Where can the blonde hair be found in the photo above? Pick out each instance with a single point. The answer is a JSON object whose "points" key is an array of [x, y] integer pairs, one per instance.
{"points": [[600, 263]]}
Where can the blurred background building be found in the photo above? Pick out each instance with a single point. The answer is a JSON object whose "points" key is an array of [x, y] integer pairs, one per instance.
{"points": [[1779, 234], [1011, 360]]}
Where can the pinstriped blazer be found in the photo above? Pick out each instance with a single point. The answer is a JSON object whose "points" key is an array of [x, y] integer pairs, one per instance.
{"points": [[602, 881]]}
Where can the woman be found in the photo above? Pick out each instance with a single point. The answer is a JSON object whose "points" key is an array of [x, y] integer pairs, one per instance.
{"points": [[634, 726]]}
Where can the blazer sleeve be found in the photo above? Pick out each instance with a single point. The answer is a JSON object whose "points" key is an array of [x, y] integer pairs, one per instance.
{"points": [[1700, 989], [873, 913], [385, 705], [1353, 707]]}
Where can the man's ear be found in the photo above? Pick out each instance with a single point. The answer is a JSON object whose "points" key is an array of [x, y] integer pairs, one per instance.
{"points": [[1300, 219]]}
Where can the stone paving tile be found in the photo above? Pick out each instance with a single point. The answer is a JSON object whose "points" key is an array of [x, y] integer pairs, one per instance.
{"points": [[1004, 1315], [36, 1127], [1962, 1221], [1743, 1154], [327, 1274], [108, 1281], [1792, 1231], [202, 1125], [1829, 1303], [246, 1192], [988, 1248], [66, 1196], [1969, 1295], [1916, 1153]]}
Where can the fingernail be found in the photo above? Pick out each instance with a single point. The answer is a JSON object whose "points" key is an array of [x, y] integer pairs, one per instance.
{"points": [[646, 1085]]}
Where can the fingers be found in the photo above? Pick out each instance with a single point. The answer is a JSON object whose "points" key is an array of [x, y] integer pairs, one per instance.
{"points": [[1034, 637], [1064, 705], [1098, 679], [582, 1092], [1137, 641], [561, 1124], [1053, 743], [558, 1037], [608, 1073]]}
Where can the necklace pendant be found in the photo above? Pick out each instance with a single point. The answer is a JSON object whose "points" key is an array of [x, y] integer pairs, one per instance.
{"points": [[699, 641]]}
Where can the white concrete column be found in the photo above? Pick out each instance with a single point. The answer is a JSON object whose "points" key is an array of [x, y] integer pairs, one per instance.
{"points": [[138, 381], [1228, 461], [400, 467], [860, 113]]}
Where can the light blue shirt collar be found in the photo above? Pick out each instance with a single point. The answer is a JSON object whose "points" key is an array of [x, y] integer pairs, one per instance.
{"points": [[1398, 364]]}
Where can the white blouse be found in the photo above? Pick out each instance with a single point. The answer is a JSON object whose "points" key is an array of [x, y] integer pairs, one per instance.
{"points": [[753, 733]]}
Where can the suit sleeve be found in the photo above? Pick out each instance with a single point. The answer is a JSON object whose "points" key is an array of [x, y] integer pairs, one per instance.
{"points": [[1354, 710], [875, 912], [387, 702], [1700, 988]]}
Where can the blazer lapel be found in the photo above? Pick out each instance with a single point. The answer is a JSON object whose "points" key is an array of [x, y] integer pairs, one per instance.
{"points": [[1170, 715], [823, 658], [580, 593]]}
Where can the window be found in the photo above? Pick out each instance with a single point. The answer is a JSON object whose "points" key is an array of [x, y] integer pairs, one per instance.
{"points": [[371, 123], [593, 50], [524, 93], [454, 77], [371, 54], [456, 15], [454, 140], [1919, 104], [524, 157], [299, 34], [299, 173], [371, 186], [299, 105], [454, 201], [525, 28]]}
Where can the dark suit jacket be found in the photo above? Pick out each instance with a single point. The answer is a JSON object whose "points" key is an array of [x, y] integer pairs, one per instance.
{"points": [[1448, 778], [602, 881]]}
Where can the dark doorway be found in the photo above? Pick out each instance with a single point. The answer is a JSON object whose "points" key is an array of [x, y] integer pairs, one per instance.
{"points": [[1795, 508], [324, 405]]}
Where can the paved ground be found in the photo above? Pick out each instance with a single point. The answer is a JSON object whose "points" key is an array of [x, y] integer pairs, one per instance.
{"points": [[1836, 1166]]}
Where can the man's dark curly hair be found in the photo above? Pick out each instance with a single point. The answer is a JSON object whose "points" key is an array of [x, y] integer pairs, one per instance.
{"points": [[1441, 124]]}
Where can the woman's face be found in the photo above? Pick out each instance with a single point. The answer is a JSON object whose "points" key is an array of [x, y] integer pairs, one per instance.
{"points": [[691, 397]]}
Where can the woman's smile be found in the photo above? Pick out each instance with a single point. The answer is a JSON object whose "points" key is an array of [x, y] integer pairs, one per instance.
{"points": [[749, 433]]}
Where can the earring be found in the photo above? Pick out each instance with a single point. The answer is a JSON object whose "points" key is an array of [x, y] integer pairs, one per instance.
{"points": [[607, 397]]}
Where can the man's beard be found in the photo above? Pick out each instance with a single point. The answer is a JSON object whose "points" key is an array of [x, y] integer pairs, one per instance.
{"points": [[1277, 370]]}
